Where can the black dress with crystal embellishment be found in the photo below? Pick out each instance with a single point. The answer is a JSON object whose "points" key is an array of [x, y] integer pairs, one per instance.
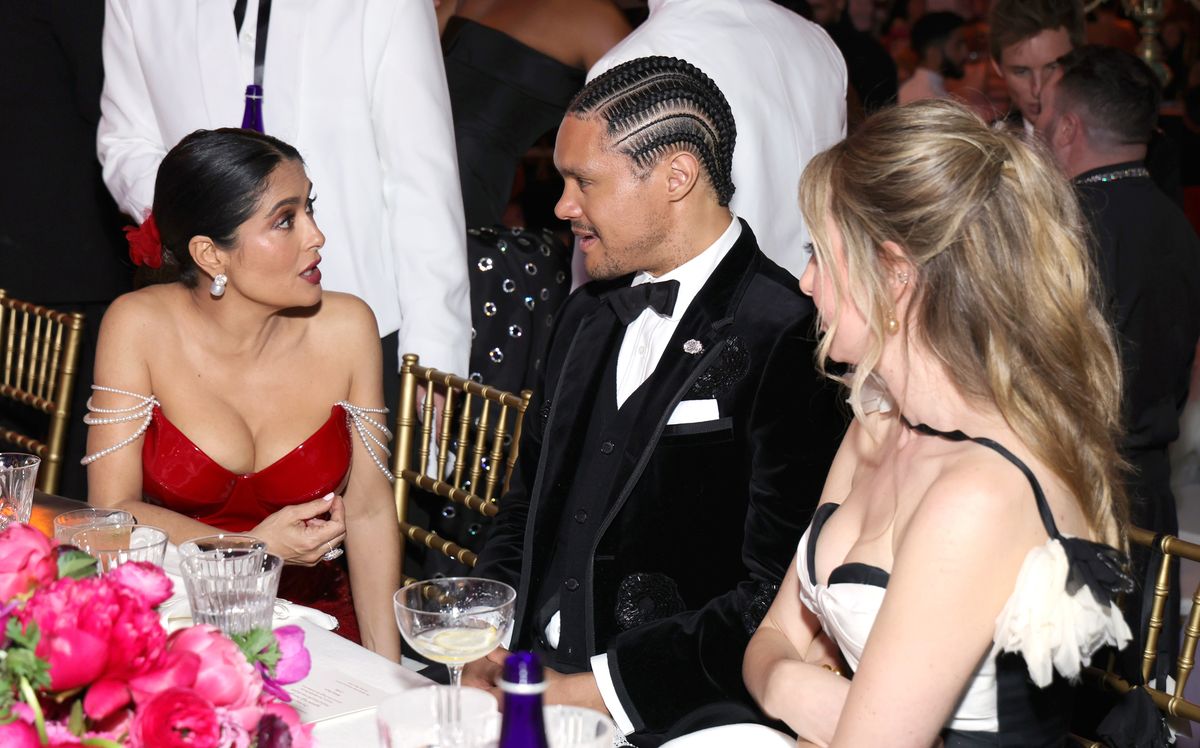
{"points": [[504, 95]]}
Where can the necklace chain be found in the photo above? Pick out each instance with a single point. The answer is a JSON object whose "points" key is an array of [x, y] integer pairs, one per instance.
{"points": [[1112, 176]]}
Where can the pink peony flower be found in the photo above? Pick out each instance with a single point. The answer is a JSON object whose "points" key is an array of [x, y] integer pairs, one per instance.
{"points": [[145, 580], [177, 670], [294, 660], [96, 632], [20, 733], [176, 718], [301, 734], [225, 677], [27, 560]]}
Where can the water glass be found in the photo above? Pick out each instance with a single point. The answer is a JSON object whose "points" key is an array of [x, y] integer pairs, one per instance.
{"points": [[577, 727], [234, 593], [420, 718], [18, 475], [113, 545], [230, 545], [69, 523]]}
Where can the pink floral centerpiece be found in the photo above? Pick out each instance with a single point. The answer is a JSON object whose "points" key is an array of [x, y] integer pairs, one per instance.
{"points": [[85, 661]]}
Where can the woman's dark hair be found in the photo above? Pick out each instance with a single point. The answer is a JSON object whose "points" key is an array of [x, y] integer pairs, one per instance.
{"points": [[208, 185]]}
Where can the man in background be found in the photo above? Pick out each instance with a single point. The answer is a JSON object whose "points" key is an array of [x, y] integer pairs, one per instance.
{"points": [[941, 49], [1098, 118], [1026, 38]]}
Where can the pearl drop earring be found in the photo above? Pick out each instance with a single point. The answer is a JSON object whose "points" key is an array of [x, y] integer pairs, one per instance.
{"points": [[217, 288]]}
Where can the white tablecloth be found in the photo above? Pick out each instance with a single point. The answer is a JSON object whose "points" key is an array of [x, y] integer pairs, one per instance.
{"points": [[355, 730]]}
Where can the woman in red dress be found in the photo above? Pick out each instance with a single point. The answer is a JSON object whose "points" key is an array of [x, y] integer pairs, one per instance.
{"points": [[243, 397]]}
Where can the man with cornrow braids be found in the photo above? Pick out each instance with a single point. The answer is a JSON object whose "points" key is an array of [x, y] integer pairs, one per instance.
{"points": [[785, 80], [679, 437]]}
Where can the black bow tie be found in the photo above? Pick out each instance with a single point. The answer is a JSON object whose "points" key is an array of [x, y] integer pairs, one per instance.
{"points": [[630, 302]]}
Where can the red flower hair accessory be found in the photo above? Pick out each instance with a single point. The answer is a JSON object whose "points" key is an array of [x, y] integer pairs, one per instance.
{"points": [[145, 245]]}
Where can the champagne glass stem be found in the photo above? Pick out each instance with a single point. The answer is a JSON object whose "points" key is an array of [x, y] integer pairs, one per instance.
{"points": [[454, 706]]}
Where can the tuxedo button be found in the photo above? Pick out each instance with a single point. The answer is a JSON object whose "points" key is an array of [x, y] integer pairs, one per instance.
{"points": [[571, 584], [606, 448], [581, 516]]}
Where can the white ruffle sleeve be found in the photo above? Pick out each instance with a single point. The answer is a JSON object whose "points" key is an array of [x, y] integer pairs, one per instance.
{"points": [[1051, 627]]}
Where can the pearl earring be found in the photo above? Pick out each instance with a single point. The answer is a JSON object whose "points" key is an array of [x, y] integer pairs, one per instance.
{"points": [[893, 324], [217, 288]]}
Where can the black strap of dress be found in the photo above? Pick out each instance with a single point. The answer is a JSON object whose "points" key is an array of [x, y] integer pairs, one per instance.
{"points": [[1101, 568], [958, 436]]}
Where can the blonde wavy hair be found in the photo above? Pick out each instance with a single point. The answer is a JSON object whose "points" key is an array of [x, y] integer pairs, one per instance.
{"points": [[1004, 291]]}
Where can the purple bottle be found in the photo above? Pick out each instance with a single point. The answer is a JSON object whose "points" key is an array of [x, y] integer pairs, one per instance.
{"points": [[252, 114], [522, 684]]}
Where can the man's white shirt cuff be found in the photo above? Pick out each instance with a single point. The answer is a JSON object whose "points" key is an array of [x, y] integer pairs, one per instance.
{"points": [[608, 692]]}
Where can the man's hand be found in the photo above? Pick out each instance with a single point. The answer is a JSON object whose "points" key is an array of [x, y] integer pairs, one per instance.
{"points": [[578, 689], [485, 673]]}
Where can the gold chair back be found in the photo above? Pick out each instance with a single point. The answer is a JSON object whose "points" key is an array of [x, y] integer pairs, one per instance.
{"points": [[467, 459], [1171, 703], [39, 355]]}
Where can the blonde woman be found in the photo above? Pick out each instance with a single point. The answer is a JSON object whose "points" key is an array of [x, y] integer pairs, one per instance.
{"points": [[963, 556]]}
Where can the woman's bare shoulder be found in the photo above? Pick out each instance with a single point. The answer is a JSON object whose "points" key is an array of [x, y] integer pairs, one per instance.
{"points": [[347, 318], [980, 496], [148, 310]]}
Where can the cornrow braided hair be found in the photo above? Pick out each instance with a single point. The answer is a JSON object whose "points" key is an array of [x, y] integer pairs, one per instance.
{"points": [[655, 104]]}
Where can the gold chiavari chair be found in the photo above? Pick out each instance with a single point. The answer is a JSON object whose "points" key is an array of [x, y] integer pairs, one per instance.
{"points": [[1173, 703], [467, 459], [39, 355]]}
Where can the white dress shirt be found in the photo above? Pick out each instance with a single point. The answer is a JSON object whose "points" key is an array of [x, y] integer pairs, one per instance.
{"points": [[785, 81], [359, 87], [924, 84], [247, 38], [642, 347]]}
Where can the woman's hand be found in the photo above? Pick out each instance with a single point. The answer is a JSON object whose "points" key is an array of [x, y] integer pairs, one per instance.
{"points": [[822, 651], [300, 535]]}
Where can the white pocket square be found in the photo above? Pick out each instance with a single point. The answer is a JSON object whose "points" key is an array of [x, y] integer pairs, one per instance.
{"points": [[694, 411]]}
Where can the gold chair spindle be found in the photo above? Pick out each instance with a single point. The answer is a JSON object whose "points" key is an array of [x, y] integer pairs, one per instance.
{"points": [[1161, 587], [1187, 651], [21, 345], [477, 448], [464, 426], [494, 458], [511, 463], [444, 432]]}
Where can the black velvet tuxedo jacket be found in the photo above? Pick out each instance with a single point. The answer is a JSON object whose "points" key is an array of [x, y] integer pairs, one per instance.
{"points": [[708, 513]]}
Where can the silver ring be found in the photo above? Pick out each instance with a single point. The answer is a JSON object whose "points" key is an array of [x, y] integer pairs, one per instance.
{"points": [[332, 553]]}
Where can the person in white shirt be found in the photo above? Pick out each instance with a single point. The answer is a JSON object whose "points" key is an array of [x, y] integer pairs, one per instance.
{"points": [[678, 436], [786, 83], [359, 87], [941, 49]]}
